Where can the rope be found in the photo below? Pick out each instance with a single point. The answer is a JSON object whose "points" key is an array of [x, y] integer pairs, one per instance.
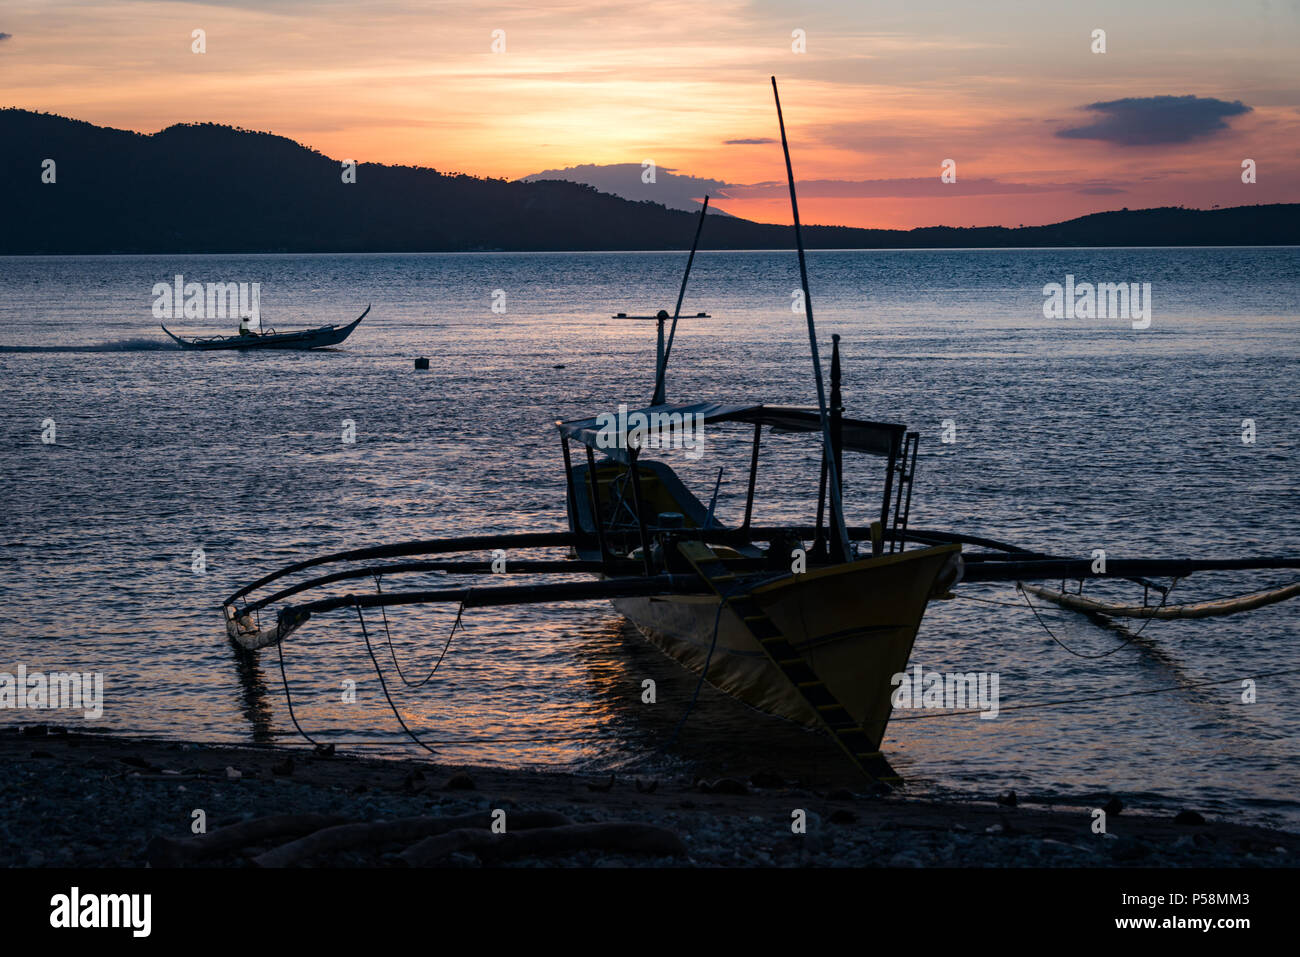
{"points": [[458, 625], [700, 683], [1124, 644], [383, 684], [1032, 706], [475, 741], [989, 601], [393, 654], [1102, 697], [288, 699]]}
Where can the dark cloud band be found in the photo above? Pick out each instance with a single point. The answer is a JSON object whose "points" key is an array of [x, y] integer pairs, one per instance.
{"points": [[1156, 120]]}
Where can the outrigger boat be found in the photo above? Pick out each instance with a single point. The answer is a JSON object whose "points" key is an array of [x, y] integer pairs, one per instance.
{"points": [[317, 338], [810, 623]]}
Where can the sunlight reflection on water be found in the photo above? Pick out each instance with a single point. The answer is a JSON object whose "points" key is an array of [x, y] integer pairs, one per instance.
{"points": [[1071, 435]]}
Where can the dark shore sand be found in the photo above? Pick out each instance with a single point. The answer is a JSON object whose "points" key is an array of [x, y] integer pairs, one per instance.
{"points": [[74, 800]]}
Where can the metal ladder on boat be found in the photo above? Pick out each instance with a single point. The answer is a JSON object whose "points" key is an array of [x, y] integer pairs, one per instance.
{"points": [[903, 506], [834, 717]]}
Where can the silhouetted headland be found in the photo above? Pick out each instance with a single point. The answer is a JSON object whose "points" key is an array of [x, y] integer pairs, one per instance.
{"points": [[204, 188]]}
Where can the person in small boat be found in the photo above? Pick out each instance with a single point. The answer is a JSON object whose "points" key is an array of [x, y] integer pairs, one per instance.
{"points": [[244, 330]]}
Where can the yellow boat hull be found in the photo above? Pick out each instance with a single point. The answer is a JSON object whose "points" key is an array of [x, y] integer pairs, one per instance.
{"points": [[854, 624]]}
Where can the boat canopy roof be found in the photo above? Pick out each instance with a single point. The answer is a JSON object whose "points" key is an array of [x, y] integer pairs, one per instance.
{"points": [[643, 426]]}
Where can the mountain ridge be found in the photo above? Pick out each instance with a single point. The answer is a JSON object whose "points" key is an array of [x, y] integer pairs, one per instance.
{"points": [[209, 188]]}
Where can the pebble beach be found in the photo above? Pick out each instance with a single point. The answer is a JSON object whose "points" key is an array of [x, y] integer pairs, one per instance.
{"points": [[80, 800]]}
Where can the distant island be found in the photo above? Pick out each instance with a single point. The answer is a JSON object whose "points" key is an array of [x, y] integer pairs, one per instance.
{"points": [[204, 188]]}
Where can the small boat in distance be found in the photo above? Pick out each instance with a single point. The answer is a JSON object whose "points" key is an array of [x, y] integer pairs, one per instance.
{"points": [[270, 339]]}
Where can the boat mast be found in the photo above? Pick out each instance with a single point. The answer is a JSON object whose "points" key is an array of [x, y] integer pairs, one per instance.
{"points": [[837, 503], [664, 351]]}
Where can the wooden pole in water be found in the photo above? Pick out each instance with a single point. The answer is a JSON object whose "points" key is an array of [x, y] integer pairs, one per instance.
{"points": [[837, 506], [658, 398]]}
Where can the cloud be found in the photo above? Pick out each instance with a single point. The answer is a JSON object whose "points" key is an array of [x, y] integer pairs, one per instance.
{"points": [[675, 190], [6, 36], [1156, 120], [756, 141], [1101, 190]]}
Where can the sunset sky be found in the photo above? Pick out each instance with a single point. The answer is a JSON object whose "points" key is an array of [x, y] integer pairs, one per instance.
{"points": [[1040, 128]]}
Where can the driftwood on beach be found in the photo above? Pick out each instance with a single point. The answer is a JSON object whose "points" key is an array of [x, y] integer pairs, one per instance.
{"points": [[431, 839], [345, 837], [174, 852], [615, 836]]}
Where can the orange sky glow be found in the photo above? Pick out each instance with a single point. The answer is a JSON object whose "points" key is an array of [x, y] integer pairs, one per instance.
{"points": [[882, 95]]}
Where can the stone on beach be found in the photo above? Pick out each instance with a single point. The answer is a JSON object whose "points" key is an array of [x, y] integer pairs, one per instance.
{"points": [[460, 782]]}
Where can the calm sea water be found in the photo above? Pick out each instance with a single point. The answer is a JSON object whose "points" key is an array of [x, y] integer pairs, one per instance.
{"points": [[1071, 435]]}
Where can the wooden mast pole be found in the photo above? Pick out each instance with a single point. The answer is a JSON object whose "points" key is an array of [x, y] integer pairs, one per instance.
{"points": [[658, 398], [841, 534]]}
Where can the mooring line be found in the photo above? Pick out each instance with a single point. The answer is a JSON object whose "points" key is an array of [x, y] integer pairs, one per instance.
{"points": [[708, 659], [384, 684], [989, 601], [1132, 637], [288, 699], [1031, 706], [458, 624], [393, 653]]}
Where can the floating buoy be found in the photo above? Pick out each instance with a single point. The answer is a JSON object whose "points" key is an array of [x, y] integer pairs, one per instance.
{"points": [[422, 362]]}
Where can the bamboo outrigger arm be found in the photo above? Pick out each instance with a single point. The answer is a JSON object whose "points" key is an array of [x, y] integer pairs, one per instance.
{"points": [[561, 566], [429, 546], [526, 540], [245, 633], [1005, 563], [243, 621], [1080, 568]]}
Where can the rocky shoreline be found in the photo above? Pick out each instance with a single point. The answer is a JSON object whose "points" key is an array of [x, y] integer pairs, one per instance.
{"points": [[77, 800]]}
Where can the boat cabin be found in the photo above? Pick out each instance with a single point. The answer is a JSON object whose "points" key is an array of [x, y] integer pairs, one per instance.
{"points": [[622, 502]]}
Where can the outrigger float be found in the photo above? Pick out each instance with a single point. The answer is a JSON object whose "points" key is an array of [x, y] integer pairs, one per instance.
{"points": [[810, 623]]}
